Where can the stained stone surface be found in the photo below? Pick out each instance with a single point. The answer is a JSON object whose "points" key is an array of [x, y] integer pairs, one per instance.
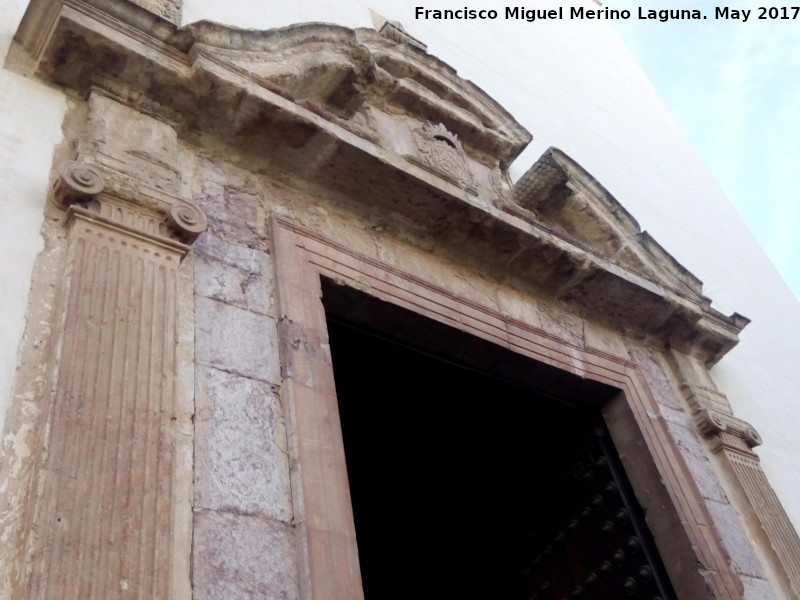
{"points": [[241, 463], [236, 340], [233, 215], [757, 589], [698, 463], [234, 274], [243, 557], [148, 154], [664, 392], [743, 559]]}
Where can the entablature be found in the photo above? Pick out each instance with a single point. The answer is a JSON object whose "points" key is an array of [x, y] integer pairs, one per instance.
{"points": [[395, 130]]}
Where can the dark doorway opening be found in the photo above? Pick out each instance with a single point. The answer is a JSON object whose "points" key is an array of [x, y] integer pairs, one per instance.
{"points": [[467, 479]]}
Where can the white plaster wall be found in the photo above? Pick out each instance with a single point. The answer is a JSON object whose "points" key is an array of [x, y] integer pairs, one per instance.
{"points": [[574, 85], [30, 127]]}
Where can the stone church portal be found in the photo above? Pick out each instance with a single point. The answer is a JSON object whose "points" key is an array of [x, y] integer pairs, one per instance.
{"points": [[273, 259]]}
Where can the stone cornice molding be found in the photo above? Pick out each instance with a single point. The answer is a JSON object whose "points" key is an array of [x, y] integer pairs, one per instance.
{"points": [[558, 192], [712, 413], [556, 186], [199, 81], [363, 67], [80, 213]]}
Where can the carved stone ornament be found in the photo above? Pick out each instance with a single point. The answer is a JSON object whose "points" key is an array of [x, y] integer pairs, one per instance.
{"points": [[77, 182], [440, 149], [496, 182], [187, 220], [711, 422], [153, 214]]}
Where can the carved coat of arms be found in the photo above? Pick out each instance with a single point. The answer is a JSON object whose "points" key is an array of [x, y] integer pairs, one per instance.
{"points": [[440, 149]]}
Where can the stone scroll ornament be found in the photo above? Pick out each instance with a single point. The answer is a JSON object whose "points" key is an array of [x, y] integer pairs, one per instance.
{"points": [[187, 220], [77, 182], [440, 149], [712, 423]]}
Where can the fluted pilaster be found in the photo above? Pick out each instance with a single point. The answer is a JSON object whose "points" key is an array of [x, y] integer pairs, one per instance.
{"points": [[104, 516]]}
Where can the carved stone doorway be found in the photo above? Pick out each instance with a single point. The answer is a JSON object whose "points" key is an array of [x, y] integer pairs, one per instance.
{"points": [[467, 480]]}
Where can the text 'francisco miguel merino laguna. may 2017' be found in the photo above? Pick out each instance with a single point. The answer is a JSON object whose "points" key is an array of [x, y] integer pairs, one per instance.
{"points": [[521, 13]]}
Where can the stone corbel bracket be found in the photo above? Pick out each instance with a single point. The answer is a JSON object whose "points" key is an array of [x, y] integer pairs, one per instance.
{"points": [[714, 419]]}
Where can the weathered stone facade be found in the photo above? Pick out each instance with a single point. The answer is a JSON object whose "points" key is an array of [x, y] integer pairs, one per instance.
{"points": [[177, 431]]}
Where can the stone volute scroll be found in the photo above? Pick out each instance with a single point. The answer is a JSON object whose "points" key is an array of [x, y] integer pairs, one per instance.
{"points": [[133, 184], [77, 182], [187, 220], [727, 429]]}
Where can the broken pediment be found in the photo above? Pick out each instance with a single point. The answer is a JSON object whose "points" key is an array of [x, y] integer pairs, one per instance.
{"points": [[345, 70], [353, 73], [318, 63], [562, 195]]}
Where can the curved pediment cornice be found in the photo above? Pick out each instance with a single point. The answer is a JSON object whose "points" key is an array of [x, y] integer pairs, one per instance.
{"points": [[342, 74], [345, 71]]}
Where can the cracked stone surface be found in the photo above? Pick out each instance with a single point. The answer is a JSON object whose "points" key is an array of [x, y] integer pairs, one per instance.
{"points": [[241, 464], [235, 340]]}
